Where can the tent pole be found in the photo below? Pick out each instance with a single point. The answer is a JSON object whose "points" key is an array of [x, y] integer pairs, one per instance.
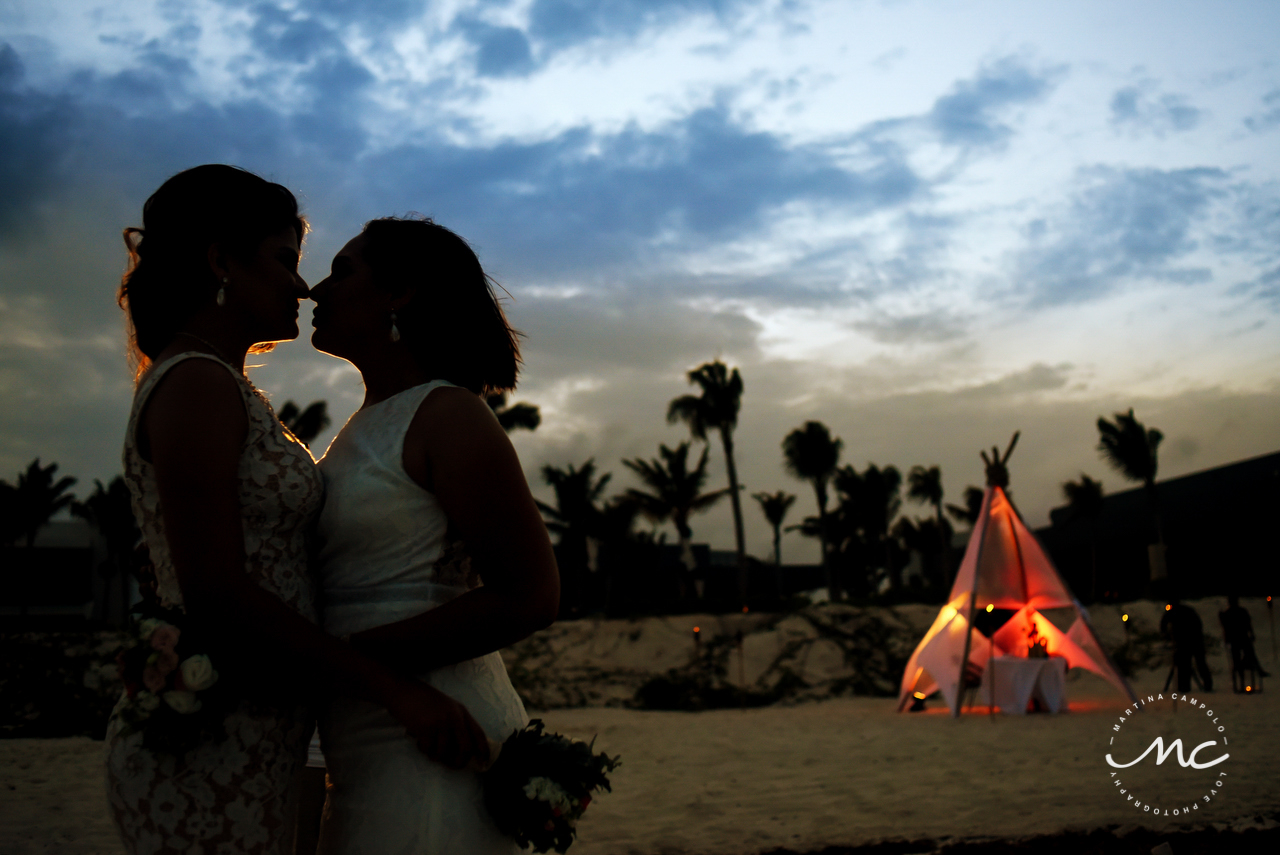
{"points": [[985, 519], [991, 682], [1022, 564]]}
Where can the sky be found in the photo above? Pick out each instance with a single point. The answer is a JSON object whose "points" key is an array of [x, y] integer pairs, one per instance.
{"points": [[925, 224]]}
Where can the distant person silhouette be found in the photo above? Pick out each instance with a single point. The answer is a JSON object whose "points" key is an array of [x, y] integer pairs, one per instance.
{"points": [[1182, 623], [1237, 632]]}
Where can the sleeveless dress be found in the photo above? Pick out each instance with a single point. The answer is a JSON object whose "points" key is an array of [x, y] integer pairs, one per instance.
{"points": [[235, 795], [385, 555]]}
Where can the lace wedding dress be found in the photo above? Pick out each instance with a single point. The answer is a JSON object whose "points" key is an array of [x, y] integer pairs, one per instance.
{"points": [[235, 795], [385, 555]]}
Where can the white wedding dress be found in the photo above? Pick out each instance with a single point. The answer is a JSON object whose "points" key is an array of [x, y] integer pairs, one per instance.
{"points": [[385, 555]]}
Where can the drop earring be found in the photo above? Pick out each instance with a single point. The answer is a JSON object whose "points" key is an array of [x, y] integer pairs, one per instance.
{"points": [[395, 333], [222, 292]]}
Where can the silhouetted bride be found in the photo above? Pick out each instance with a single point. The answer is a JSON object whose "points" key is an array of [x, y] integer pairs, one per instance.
{"points": [[225, 497], [425, 498]]}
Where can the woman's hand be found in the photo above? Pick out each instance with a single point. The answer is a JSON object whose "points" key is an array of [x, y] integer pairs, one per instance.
{"points": [[443, 728]]}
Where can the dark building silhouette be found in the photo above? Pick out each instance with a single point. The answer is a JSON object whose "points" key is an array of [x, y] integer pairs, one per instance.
{"points": [[1221, 530]]}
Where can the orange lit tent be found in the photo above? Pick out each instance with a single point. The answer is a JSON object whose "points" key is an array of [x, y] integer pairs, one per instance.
{"points": [[1004, 567]]}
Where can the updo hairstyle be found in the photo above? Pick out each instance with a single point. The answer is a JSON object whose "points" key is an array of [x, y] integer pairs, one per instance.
{"points": [[454, 326], [168, 277]]}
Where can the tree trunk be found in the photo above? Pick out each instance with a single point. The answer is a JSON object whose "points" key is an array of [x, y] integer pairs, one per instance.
{"points": [[777, 558], [726, 437], [833, 589]]}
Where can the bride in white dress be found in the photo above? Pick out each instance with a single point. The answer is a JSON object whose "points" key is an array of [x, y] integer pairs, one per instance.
{"points": [[425, 500]]}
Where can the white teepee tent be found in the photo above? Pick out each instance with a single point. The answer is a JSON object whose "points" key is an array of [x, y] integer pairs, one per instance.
{"points": [[1004, 567]]}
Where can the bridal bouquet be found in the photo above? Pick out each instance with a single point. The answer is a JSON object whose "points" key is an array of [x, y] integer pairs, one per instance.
{"points": [[541, 783], [171, 691]]}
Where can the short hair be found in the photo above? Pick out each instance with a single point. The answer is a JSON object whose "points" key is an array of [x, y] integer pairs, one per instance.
{"points": [[454, 326], [168, 276]]}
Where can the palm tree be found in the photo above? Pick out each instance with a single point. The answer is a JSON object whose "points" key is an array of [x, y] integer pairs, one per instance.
{"points": [[928, 538], [873, 497], [306, 424], [1131, 449], [515, 416], [811, 454], [110, 510], [38, 497], [676, 491], [1084, 502], [717, 409], [775, 507], [576, 518], [969, 512], [925, 485]]}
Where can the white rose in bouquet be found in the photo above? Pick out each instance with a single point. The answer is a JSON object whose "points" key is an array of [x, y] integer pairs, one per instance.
{"points": [[148, 626], [198, 673], [183, 702], [147, 703]]}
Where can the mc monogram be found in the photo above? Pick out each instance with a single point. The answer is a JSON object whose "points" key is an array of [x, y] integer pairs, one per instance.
{"points": [[1163, 753]]}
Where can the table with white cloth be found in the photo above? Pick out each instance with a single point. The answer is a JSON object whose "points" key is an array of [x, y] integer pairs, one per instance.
{"points": [[1018, 679]]}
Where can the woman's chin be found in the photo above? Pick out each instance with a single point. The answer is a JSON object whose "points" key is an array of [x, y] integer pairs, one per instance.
{"points": [[321, 343]]}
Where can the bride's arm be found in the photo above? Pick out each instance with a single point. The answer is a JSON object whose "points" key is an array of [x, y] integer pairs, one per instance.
{"points": [[194, 428], [456, 449]]}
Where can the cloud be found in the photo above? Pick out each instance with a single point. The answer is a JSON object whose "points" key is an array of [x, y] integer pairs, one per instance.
{"points": [[1265, 288], [1123, 224], [500, 51], [1037, 378], [1270, 115], [563, 23], [33, 135], [371, 15], [1134, 108], [582, 198], [289, 35], [632, 329], [934, 327], [969, 115]]}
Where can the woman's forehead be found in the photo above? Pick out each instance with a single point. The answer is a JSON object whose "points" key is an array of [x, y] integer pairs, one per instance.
{"points": [[353, 247]]}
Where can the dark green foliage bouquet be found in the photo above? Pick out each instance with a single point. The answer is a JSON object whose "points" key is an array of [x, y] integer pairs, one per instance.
{"points": [[541, 783], [172, 694]]}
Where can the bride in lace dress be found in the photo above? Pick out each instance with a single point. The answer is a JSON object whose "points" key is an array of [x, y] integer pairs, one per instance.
{"points": [[225, 497], [425, 500]]}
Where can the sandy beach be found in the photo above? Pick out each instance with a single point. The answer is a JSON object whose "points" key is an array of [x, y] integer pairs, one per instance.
{"points": [[839, 772]]}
